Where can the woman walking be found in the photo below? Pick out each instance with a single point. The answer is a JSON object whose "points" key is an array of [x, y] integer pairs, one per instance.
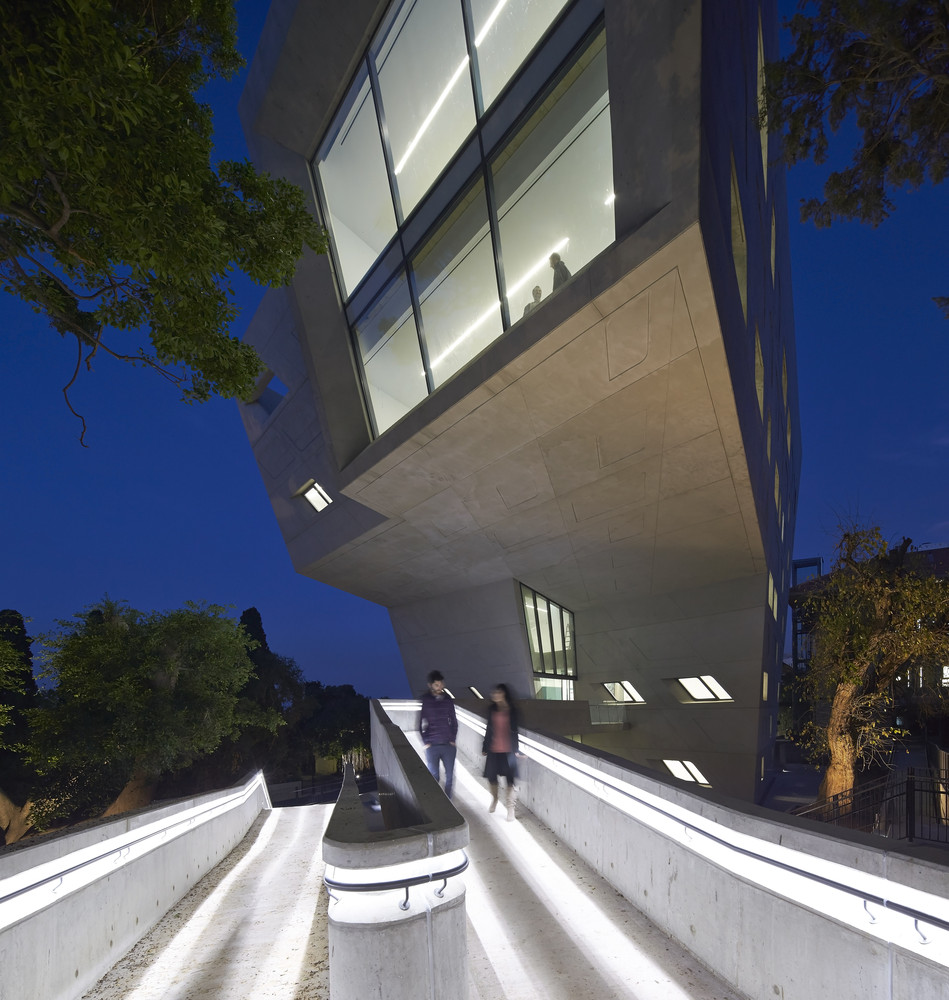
{"points": [[500, 747]]}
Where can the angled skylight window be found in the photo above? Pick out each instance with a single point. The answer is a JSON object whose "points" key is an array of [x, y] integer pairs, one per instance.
{"points": [[704, 688], [685, 770], [623, 691]]}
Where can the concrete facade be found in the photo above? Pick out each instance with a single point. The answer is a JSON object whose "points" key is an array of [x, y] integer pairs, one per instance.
{"points": [[630, 450]]}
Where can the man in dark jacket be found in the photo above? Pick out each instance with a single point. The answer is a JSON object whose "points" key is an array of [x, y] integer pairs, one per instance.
{"points": [[439, 728]]}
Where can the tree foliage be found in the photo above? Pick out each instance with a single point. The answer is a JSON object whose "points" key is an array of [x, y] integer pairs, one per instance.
{"points": [[112, 216], [878, 612], [131, 696], [883, 66]]}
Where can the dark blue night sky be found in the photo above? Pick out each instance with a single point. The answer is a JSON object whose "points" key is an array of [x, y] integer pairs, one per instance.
{"points": [[166, 504]]}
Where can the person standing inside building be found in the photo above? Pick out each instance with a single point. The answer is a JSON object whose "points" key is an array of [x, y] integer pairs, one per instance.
{"points": [[537, 294], [561, 272], [439, 727], [500, 747]]}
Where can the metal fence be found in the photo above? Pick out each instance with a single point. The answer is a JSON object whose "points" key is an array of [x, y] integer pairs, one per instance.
{"points": [[907, 804]]}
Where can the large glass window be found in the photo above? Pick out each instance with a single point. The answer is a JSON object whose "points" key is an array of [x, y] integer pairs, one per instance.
{"points": [[388, 344], [458, 288], [554, 184], [425, 86], [505, 33], [550, 638], [546, 212], [352, 174]]}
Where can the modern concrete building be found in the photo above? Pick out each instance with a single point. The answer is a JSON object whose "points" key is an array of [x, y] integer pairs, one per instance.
{"points": [[540, 399]]}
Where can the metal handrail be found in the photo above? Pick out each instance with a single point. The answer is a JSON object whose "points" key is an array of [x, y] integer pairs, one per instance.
{"points": [[889, 904], [402, 883], [127, 845]]}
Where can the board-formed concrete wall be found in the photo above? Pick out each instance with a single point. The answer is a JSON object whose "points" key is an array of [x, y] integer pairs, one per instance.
{"points": [[72, 906]]}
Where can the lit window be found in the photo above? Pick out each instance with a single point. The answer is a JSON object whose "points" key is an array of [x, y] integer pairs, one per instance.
{"points": [[764, 685], [945, 676], [550, 638], [685, 770], [623, 691], [317, 497], [704, 688], [419, 319]]}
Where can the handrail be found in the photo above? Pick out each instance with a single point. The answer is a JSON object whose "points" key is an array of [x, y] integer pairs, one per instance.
{"points": [[531, 747], [121, 846], [403, 883]]}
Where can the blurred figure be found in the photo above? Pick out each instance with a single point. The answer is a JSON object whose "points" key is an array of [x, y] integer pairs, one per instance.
{"points": [[500, 748], [439, 727]]}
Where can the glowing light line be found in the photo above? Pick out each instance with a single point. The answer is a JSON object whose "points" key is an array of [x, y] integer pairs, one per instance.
{"points": [[431, 115], [491, 311], [487, 24]]}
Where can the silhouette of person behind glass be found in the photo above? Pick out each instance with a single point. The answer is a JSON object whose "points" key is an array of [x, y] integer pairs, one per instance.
{"points": [[561, 273], [537, 292]]}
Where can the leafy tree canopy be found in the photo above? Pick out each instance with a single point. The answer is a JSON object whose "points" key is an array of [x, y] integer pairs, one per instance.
{"points": [[112, 216], [882, 65], [132, 696], [878, 611]]}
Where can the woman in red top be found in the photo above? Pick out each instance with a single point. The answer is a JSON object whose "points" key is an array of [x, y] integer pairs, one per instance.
{"points": [[500, 747]]}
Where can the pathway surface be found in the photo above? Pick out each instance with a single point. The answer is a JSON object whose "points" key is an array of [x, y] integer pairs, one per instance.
{"points": [[541, 924]]}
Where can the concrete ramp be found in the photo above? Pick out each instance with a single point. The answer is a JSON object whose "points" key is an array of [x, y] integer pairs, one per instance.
{"points": [[255, 926]]}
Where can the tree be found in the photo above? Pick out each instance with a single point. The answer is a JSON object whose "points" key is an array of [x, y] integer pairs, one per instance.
{"points": [[130, 697], [876, 613], [112, 216], [883, 65], [17, 696]]}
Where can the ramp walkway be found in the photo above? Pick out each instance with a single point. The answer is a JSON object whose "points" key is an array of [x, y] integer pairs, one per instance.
{"points": [[541, 923]]}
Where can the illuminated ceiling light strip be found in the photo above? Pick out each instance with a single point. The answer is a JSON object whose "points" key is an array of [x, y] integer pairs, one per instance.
{"points": [[482, 319], [490, 21], [431, 115], [539, 266]]}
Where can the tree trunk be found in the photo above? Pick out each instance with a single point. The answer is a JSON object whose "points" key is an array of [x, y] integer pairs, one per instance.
{"points": [[843, 753], [14, 820], [137, 793]]}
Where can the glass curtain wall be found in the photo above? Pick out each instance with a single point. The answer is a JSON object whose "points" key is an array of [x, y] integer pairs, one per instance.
{"points": [[429, 76]]}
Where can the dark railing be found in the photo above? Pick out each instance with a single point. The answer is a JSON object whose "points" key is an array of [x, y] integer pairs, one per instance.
{"points": [[907, 804]]}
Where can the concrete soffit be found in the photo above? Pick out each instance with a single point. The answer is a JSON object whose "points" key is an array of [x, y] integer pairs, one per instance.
{"points": [[605, 458]]}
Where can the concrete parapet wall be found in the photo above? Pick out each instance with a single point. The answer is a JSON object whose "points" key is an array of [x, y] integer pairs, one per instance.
{"points": [[396, 925], [747, 890], [72, 906]]}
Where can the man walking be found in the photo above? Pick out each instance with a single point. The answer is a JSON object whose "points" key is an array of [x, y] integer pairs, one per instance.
{"points": [[439, 728]]}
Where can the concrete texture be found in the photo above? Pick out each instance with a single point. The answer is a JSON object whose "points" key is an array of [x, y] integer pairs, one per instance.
{"points": [[76, 903], [629, 450], [541, 924]]}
